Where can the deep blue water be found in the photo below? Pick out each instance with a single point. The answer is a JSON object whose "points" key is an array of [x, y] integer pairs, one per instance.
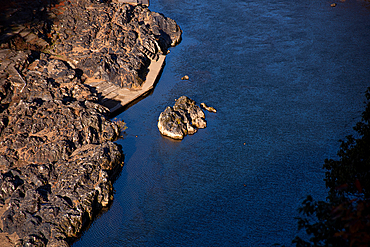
{"points": [[288, 80]]}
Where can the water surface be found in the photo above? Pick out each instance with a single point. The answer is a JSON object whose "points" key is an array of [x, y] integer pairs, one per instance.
{"points": [[288, 81]]}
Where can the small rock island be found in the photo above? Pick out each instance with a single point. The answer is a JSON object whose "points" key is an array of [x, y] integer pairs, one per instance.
{"points": [[185, 117]]}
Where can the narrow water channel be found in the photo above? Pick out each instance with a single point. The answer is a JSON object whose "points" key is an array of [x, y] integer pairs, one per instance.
{"points": [[288, 80]]}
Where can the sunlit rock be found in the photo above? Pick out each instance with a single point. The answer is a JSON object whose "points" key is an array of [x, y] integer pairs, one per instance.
{"points": [[181, 119], [208, 108]]}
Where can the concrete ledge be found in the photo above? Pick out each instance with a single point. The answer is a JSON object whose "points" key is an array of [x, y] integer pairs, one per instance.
{"points": [[116, 98]]}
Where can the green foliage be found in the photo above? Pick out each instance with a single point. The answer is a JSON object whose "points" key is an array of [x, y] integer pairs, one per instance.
{"points": [[344, 218]]}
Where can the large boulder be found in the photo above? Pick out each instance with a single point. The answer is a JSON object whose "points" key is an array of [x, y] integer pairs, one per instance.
{"points": [[185, 117]]}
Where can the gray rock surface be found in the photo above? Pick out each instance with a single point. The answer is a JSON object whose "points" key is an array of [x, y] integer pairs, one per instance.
{"points": [[185, 117]]}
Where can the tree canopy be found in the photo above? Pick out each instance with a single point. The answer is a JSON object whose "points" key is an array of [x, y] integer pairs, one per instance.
{"points": [[344, 218]]}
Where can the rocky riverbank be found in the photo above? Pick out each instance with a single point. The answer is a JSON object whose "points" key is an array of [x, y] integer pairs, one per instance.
{"points": [[57, 155]]}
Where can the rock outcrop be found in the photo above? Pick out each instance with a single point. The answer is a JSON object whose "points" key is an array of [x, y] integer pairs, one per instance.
{"points": [[208, 108], [113, 42], [57, 155], [185, 117], [57, 158]]}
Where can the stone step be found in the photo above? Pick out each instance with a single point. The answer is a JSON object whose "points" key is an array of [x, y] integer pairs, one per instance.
{"points": [[149, 54], [116, 98]]}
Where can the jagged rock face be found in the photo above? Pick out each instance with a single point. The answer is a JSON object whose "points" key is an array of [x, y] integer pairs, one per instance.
{"points": [[57, 158], [181, 119], [54, 201], [112, 42]]}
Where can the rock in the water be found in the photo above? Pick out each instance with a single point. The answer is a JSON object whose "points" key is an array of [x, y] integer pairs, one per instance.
{"points": [[181, 119], [208, 108]]}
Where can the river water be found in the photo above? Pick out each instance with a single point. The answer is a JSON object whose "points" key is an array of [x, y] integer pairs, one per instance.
{"points": [[288, 80]]}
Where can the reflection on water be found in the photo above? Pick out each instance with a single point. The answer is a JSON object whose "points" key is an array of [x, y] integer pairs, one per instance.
{"points": [[288, 81]]}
